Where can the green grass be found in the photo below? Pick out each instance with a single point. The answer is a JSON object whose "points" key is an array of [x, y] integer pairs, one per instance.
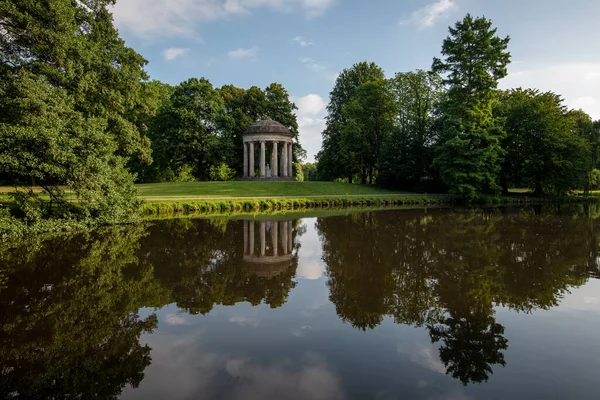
{"points": [[230, 206], [257, 189]]}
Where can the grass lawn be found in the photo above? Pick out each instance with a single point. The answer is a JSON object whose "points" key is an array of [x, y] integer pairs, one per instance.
{"points": [[256, 189]]}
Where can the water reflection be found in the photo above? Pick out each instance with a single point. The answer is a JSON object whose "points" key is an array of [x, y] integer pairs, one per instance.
{"points": [[447, 271], [69, 321], [79, 317]]}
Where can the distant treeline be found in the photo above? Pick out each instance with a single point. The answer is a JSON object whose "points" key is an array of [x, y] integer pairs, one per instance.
{"points": [[196, 133], [79, 112], [451, 129]]}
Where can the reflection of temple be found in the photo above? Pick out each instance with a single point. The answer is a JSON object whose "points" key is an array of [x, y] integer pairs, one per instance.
{"points": [[270, 250]]}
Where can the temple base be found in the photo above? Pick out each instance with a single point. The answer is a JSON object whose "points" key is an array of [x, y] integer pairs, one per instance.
{"points": [[273, 179]]}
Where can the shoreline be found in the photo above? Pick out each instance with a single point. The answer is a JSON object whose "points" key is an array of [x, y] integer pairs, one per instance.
{"points": [[242, 205]]}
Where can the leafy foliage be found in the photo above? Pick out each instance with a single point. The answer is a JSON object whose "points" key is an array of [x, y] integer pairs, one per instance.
{"points": [[544, 149], [333, 161], [469, 155], [71, 108], [407, 154]]}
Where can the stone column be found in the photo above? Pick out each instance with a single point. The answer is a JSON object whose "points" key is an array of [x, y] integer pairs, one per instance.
{"points": [[290, 160], [284, 235], [263, 238], [251, 237], [245, 161], [245, 233], [274, 164], [284, 164], [275, 238], [262, 159], [251, 167], [291, 237]]}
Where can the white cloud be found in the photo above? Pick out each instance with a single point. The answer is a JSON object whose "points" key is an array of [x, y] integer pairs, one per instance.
{"points": [[312, 64], [152, 19], [172, 53], [311, 122], [431, 13], [302, 42], [577, 83], [310, 130], [316, 8], [240, 53], [311, 104]]}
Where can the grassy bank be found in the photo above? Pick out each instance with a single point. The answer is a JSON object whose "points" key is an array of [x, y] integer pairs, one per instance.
{"points": [[165, 208], [257, 189], [224, 206]]}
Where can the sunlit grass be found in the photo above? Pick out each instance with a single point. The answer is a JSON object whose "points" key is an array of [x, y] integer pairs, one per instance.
{"points": [[257, 189]]}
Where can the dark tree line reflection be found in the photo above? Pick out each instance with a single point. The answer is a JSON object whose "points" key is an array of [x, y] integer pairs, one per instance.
{"points": [[447, 270], [69, 321]]}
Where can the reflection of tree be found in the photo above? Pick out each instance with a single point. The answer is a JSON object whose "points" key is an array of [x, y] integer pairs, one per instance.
{"points": [[472, 344], [69, 323], [200, 263], [359, 282], [446, 270]]}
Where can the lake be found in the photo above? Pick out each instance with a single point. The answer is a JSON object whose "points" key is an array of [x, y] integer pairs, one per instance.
{"points": [[394, 304]]}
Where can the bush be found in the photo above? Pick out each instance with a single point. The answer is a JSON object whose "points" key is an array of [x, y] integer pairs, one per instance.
{"points": [[221, 172]]}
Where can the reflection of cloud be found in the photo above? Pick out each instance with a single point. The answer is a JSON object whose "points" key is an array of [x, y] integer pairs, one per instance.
{"points": [[310, 269], [424, 357], [454, 395], [245, 321], [310, 265], [174, 319], [276, 382], [301, 332], [176, 372]]}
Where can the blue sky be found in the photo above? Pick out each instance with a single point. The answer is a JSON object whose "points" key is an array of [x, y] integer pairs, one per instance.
{"points": [[304, 44]]}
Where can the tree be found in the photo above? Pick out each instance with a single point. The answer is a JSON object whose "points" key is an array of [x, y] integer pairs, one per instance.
{"points": [[187, 131], [246, 106], [590, 131], [469, 154], [408, 153], [544, 147], [310, 172], [332, 161], [71, 103], [369, 117]]}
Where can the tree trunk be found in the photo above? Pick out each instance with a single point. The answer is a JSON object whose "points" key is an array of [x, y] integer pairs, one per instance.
{"points": [[538, 187], [363, 176]]}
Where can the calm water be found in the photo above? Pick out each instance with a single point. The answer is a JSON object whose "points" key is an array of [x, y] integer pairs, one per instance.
{"points": [[435, 304]]}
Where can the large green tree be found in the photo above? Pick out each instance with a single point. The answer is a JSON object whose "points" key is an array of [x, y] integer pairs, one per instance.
{"points": [[408, 153], [545, 148], [369, 119], [469, 155], [188, 133], [333, 162], [71, 105]]}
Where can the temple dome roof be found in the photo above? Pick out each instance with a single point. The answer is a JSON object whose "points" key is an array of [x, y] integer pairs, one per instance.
{"points": [[268, 126]]}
